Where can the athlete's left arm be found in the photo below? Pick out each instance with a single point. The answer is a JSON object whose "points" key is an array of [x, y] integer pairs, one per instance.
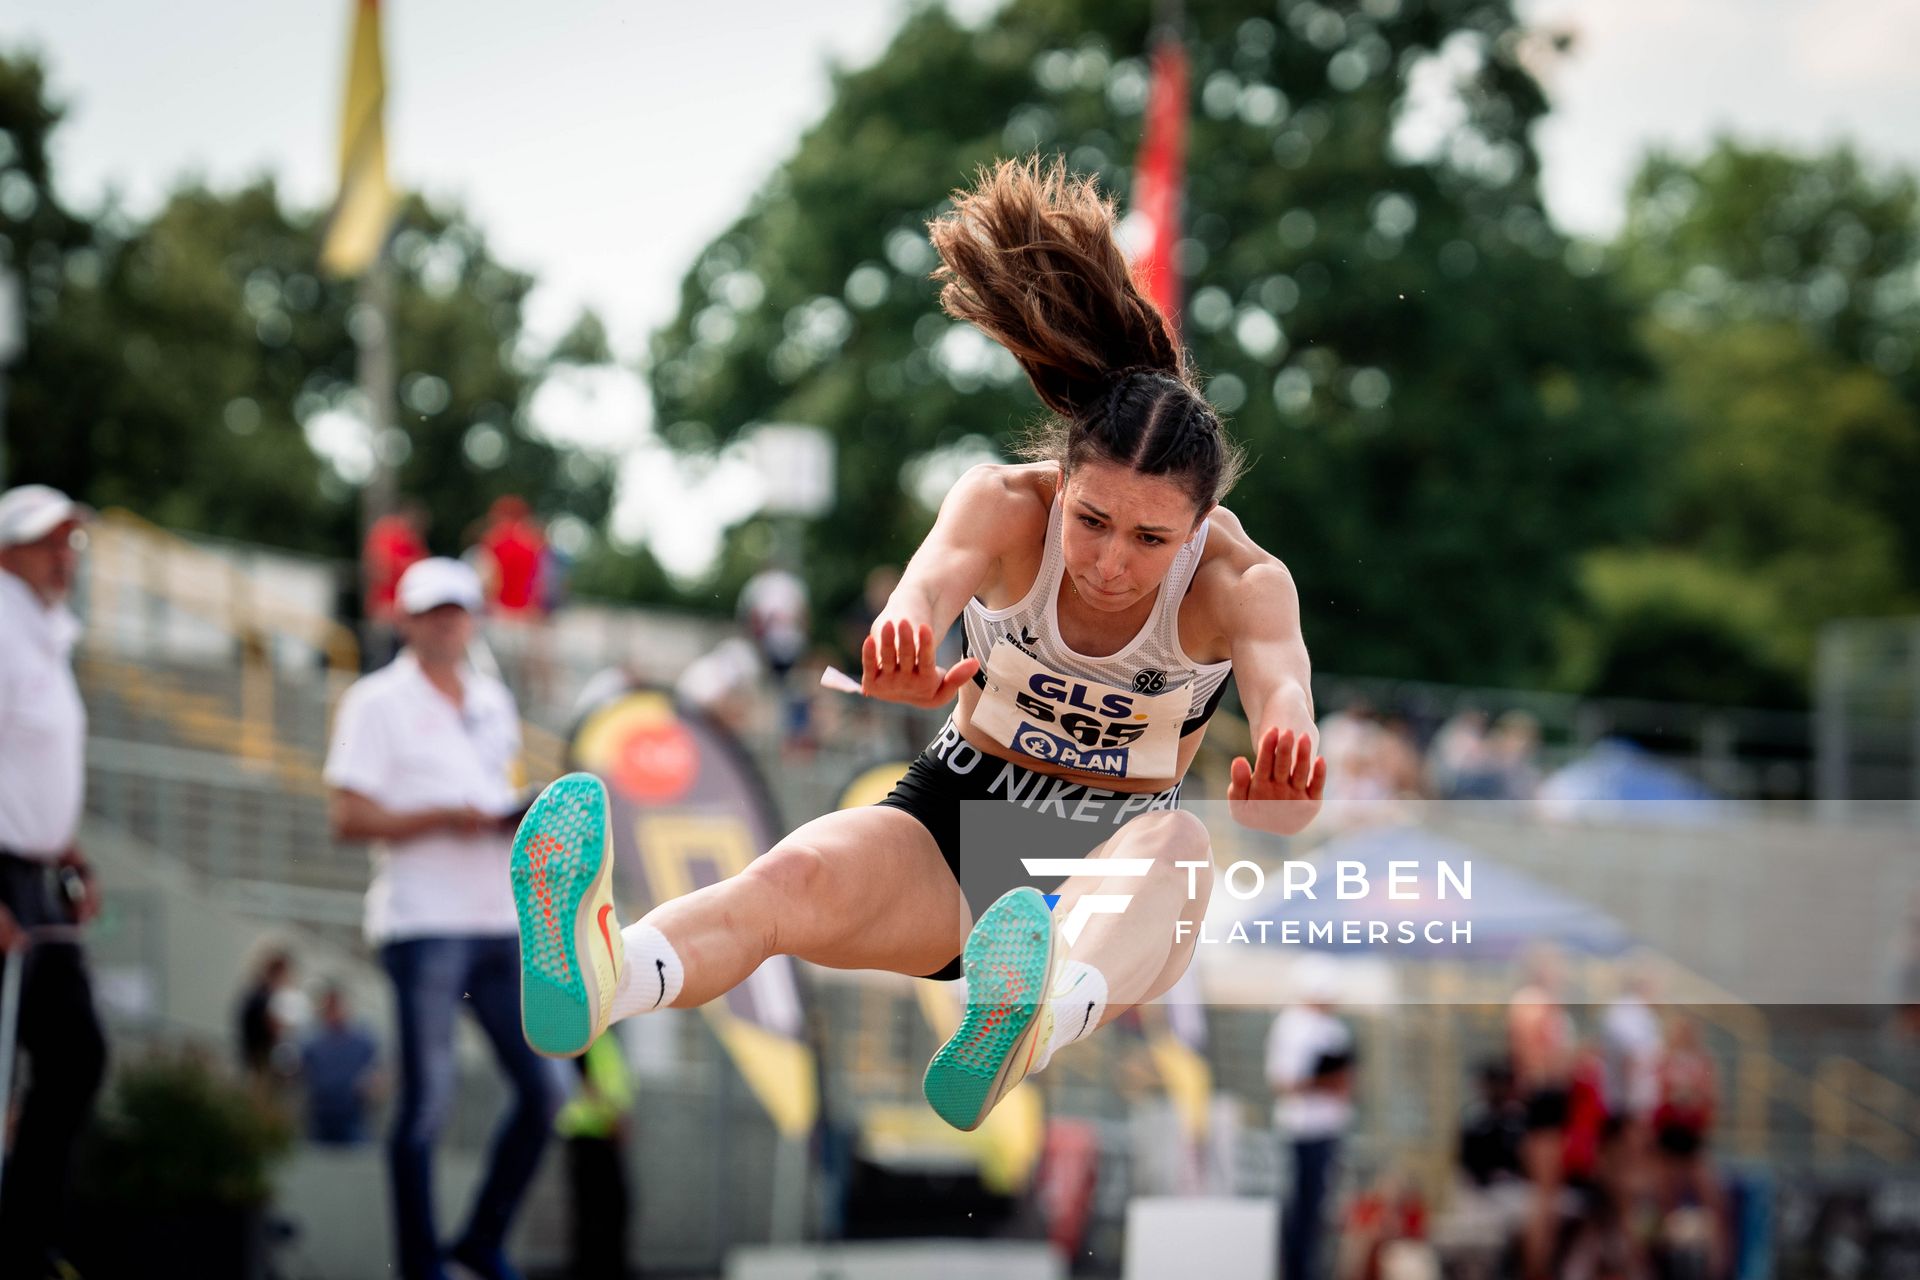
{"points": [[1280, 789]]}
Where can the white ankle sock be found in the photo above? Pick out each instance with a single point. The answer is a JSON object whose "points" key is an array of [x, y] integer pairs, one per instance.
{"points": [[652, 975], [1079, 1000]]}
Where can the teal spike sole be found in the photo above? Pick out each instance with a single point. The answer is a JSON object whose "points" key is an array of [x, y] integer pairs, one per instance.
{"points": [[1008, 956], [557, 856]]}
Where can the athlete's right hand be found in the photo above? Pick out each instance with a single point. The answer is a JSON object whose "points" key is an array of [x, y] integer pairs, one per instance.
{"points": [[896, 665]]}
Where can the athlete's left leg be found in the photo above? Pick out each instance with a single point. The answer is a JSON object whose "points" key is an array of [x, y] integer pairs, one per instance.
{"points": [[1140, 949], [1032, 989]]}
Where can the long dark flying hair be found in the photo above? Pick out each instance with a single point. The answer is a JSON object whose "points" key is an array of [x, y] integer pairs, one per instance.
{"points": [[1028, 256]]}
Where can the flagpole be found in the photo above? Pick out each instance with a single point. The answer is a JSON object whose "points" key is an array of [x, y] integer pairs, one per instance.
{"points": [[354, 243], [374, 339]]}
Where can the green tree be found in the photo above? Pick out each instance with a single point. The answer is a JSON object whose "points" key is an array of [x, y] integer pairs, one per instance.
{"points": [[1781, 294], [1746, 233], [1438, 405], [183, 366], [1746, 236], [38, 234], [1768, 522]]}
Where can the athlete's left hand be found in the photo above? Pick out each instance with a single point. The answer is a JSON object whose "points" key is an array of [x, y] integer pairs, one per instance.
{"points": [[1284, 770]]}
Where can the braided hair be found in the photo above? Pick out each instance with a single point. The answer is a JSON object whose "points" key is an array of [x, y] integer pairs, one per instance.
{"points": [[1028, 256]]}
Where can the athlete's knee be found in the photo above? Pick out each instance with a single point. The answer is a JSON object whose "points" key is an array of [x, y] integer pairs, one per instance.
{"points": [[791, 869], [1179, 848], [1168, 836], [793, 875]]}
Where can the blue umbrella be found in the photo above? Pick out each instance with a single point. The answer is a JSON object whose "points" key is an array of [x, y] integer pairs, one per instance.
{"points": [[1619, 779], [1507, 913]]}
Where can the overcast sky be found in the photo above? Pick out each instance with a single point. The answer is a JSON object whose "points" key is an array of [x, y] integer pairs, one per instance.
{"points": [[602, 144]]}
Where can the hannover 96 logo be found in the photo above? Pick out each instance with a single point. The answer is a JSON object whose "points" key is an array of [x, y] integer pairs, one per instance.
{"points": [[1149, 681]]}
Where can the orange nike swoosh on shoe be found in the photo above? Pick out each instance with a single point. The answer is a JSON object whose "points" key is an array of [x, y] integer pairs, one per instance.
{"points": [[606, 909]]}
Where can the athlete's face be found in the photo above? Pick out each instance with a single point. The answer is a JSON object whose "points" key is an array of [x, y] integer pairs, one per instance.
{"points": [[1122, 531]]}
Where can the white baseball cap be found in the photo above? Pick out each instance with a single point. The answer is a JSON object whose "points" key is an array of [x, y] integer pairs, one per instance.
{"points": [[30, 512], [1316, 979], [437, 580]]}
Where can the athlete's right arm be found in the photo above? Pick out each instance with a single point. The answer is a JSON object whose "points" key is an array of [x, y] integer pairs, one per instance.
{"points": [[952, 564]]}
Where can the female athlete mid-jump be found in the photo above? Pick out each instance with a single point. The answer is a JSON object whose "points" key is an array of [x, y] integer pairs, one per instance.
{"points": [[1106, 596]]}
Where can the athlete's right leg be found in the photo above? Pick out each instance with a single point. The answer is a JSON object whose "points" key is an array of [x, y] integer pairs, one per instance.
{"points": [[860, 889]]}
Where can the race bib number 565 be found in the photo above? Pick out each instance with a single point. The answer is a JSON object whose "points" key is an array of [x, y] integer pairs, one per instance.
{"points": [[1079, 724]]}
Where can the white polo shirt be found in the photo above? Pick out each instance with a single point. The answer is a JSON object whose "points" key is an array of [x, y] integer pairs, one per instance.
{"points": [[1300, 1038], [43, 725], [404, 745]]}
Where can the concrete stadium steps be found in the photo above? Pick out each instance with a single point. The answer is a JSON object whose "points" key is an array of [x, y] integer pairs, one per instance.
{"points": [[223, 820], [208, 709], [171, 762]]}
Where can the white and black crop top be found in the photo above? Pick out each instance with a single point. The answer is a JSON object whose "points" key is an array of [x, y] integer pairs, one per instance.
{"points": [[1122, 715]]}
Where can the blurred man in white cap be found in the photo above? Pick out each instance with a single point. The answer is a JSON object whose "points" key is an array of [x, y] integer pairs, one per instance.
{"points": [[421, 765], [1310, 1069], [46, 887]]}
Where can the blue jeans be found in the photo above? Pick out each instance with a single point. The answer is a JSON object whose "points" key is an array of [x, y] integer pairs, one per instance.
{"points": [[1303, 1219], [432, 978]]}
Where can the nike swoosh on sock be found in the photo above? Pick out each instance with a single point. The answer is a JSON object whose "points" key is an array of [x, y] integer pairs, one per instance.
{"points": [[660, 968], [1084, 1021]]}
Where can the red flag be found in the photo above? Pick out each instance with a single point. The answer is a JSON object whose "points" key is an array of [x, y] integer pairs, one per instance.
{"points": [[1160, 174]]}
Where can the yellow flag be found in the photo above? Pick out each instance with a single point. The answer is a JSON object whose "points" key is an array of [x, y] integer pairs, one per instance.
{"points": [[363, 211]]}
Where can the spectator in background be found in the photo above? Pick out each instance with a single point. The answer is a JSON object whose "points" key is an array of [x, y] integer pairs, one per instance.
{"points": [[1587, 1120], [268, 1053], [1493, 1130], [775, 611], [1459, 766], [1608, 1242], [1310, 1070], [339, 1063], [513, 549], [1372, 765], [514, 545], [1357, 789], [395, 542], [1688, 1189], [594, 1124], [723, 683], [1541, 1044], [552, 581], [1632, 1042], [46, 885], [1469, 761], [1398, 751], [1905, 980], [1383, 1233], [859, 618], [1514, 751], [421, 763]]}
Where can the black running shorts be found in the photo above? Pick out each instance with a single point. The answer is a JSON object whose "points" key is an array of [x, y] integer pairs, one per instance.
{"points": [[1043, 816]]}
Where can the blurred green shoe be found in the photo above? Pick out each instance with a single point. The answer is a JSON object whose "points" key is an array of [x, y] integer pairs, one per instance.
{"points": [[570, 946], [1009, 961]]}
